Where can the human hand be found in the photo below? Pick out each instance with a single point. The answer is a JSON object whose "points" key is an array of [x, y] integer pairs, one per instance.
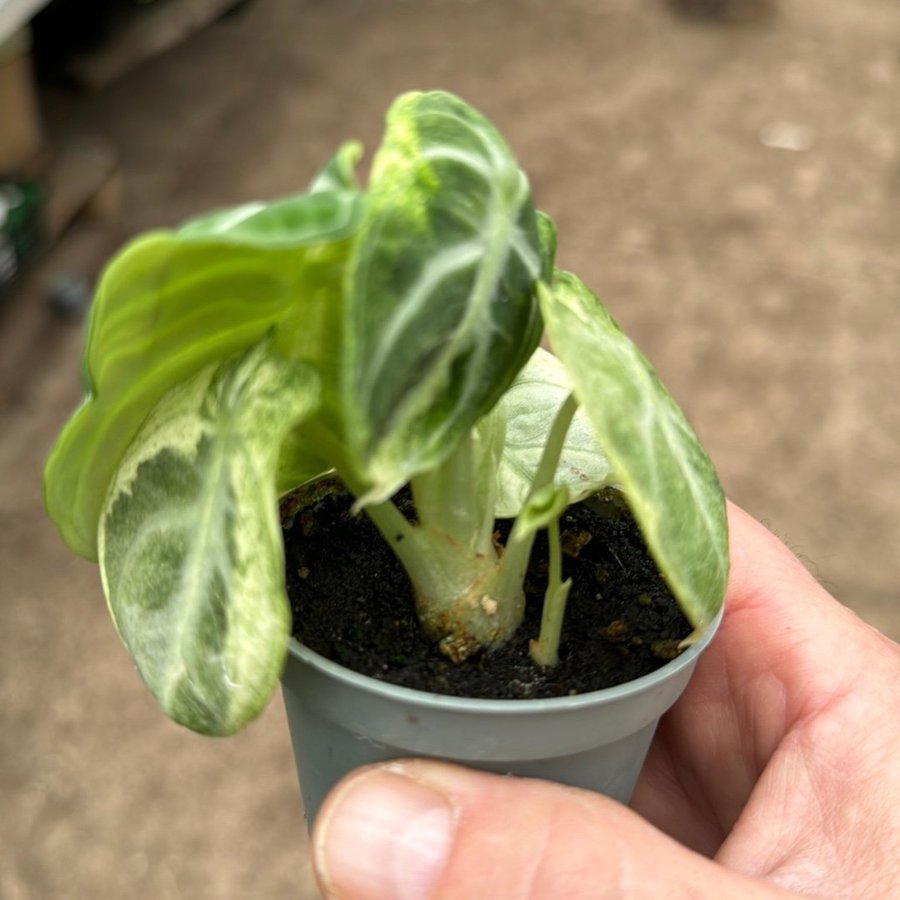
{"points": [[776, 774]]}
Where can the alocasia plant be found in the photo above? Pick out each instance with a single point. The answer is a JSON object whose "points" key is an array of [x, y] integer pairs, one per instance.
{"points": [[389, 335]]}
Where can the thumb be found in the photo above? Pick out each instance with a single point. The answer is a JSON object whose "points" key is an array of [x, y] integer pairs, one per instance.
{"points": [[416, 829]]}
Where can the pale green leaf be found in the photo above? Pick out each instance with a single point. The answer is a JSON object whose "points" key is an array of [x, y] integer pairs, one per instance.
{"points": [[320, 217], [171, 303], [666, 476], [547, 240], [300, 461], [531, 405], [190, 544], [339, 173], [542, 508], [441, 311], [329, 210]]}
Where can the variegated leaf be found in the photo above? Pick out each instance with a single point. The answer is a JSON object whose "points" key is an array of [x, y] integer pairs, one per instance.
{"points": [[531, 405], [665, 474], [441, 311], [190, 545], [171, 303]]}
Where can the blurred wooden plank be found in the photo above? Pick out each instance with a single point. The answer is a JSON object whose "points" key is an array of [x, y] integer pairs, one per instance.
{"points": [[21, 135], [82, 184], [31, 330], [80, 172]]}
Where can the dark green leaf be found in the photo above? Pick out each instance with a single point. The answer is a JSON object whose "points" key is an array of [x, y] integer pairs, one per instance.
{"points": [[441, 311]]}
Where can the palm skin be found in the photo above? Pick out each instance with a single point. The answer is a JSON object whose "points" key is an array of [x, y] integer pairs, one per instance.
{"points": [[781, 759]]}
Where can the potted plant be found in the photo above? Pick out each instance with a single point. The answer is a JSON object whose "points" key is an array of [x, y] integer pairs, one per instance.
{"points": [[389, 337]]}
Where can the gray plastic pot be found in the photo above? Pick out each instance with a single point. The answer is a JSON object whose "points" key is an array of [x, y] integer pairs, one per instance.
{"points": [[340, 720]]}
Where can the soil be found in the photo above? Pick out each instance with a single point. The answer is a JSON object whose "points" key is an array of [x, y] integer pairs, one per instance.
{"points": [[352, 602]]}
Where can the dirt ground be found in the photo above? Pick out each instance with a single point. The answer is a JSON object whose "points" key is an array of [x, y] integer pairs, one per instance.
{"points": [[731, 190]]}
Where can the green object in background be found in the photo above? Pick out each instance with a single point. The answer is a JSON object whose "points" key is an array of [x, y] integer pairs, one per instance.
{"points": [[20, 202]]}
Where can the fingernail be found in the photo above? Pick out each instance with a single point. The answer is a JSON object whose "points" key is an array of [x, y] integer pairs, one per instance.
{"points": [[384, 837]]}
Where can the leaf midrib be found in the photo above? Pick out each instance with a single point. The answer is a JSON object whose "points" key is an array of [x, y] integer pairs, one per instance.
{"points": [[203, 548]]}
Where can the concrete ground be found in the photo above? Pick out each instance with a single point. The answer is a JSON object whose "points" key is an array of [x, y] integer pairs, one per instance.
{"points": [[732, 191]]}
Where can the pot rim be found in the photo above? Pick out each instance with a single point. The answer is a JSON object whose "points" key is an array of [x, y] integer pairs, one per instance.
{"points": [[426, 699]]}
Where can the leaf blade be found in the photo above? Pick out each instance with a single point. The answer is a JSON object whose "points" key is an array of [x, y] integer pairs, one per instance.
{"points": [[667, 477], [171, 303], [530, 406], [190, 546], [441, 311]]}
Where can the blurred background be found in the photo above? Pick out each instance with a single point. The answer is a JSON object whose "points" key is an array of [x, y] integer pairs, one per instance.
{"points": [[724, 173]]}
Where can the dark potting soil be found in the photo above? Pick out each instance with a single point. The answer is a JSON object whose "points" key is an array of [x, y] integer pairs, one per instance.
{"points": [[352, 603]]}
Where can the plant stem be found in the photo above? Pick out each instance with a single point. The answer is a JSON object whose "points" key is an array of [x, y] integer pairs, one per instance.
{"points": [[428, 559], [545, 650], [457, 498], [555, 442], [468, 597], [518, 549], [453, 585]]}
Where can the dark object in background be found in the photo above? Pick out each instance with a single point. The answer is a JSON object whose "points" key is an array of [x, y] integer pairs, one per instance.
{"points": [[87, 45], [724, 10], [20, 234], [66, 28], [69, 295]]}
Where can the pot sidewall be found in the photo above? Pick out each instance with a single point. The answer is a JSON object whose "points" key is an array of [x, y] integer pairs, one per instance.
{"points": [[340, 720]]}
